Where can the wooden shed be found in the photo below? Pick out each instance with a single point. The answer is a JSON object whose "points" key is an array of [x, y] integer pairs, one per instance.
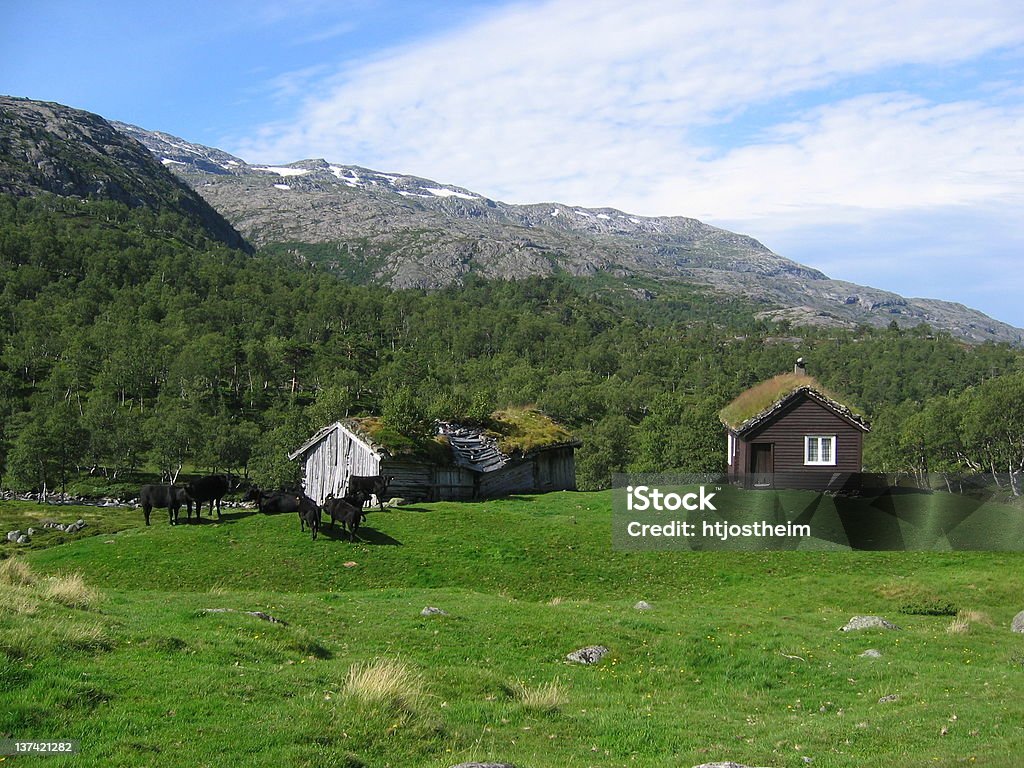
{"points": [[790, 432], [520, 451]]}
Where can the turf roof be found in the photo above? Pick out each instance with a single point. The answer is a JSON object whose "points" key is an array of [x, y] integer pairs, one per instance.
{"points": [[759, 400], [518, 431]]}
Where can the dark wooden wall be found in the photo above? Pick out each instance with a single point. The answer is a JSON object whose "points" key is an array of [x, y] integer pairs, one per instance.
{"points": [[786, 431]]}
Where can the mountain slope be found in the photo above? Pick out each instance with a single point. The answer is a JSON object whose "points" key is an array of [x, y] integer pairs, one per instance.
{"points": [[411, 232], [46, 147]]}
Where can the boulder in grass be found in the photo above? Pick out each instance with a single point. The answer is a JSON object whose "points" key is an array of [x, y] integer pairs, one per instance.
{"points": [[643, 605], [871, 653], [13, 535], [1017, 625], [589, 655], [867, 622], [23, 539], [432, 611]]}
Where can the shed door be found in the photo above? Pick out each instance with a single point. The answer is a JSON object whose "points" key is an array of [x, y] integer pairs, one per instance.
{"points": [[762, 464]]}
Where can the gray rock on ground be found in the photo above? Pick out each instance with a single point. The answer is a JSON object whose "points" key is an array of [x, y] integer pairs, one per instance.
{"points": [[871, 653], [432, 611], [484, 765], [23, 539], [867, 622], [13, 535], [1017, 625], [727, 764], [589, 655], [643, 605]]}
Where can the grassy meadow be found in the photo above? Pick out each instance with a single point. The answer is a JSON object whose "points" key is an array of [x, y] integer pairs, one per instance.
{"points": [[106, 637]]}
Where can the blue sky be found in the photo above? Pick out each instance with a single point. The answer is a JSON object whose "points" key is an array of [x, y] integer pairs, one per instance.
{"points": [[881, 142]]}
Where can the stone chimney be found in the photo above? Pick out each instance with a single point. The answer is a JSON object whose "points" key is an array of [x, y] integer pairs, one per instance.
{"points": [[800, 369]]}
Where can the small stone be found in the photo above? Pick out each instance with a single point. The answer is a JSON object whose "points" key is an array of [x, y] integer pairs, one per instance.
{"points": [[643, 605], [432, 611], [589, 655], [871, 653], [484, 765], [889, 699], [350, 564], [1017, 625], [867, 622], [31, 531], [13, 535], [23, 539]]}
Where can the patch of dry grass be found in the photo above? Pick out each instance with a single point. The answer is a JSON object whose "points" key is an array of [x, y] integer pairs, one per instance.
{"points": [[72, 591], [959, 626], [16, 572], [385, 681], [545, 697]]}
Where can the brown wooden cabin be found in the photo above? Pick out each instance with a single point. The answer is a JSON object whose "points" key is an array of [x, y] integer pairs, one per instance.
{"points": [[789, 432], [462, 463]]}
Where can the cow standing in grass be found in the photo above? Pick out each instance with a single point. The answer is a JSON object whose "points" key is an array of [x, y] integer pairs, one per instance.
{"points": [[172, 497], [207, 489], [364, 486], [309, 514], [347, 511]]}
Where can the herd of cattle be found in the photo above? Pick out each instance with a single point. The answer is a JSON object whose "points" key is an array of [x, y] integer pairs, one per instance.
{"points": [[348, 510]]}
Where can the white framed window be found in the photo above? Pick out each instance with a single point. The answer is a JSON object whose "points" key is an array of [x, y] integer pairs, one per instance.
{"points": [[820, 450]]}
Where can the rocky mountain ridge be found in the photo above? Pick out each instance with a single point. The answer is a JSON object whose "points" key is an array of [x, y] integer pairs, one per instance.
{"points": [[407, 231], [50, 148]]}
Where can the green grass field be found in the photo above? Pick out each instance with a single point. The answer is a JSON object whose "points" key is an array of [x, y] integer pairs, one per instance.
{"points": [[739, 659]]}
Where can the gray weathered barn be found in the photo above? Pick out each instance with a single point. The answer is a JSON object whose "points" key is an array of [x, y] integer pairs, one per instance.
{"points": [[461, 463]]}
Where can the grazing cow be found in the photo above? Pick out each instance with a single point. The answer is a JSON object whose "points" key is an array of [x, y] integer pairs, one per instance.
{"points": [[348, 511], [208, 489], [309, 514], [363, 486], [172, 497]]}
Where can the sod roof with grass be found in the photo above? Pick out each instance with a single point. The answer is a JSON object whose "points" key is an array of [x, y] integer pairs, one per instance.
{"points": [[514, 431], [761, 401]]}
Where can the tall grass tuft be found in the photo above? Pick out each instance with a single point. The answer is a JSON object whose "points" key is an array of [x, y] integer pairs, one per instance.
{"points": [[16, 572], [72, 591], [388, 682], [546, 697]]}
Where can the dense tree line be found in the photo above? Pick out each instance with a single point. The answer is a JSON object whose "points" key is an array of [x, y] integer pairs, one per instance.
{"points": [[129, 339]]}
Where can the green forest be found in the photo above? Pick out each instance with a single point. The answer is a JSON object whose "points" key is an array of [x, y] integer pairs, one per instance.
{"points": [[130, 341]]}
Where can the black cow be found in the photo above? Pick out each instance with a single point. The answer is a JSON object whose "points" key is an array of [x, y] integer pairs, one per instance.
{"points": [[309, 514], [172, 497], [363, 486], [348, 511], [274, 502], [208, 489]]}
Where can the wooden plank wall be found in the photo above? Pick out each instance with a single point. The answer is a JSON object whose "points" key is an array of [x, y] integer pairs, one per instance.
{"points": [[332, 461], [806, 417]]}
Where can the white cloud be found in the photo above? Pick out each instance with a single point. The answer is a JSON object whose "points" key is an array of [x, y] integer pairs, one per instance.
{"points": [[591, 102], [733, 111]]}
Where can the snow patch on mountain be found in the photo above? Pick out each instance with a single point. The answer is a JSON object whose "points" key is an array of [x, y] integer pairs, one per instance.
{"points": [[281, 171]]}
